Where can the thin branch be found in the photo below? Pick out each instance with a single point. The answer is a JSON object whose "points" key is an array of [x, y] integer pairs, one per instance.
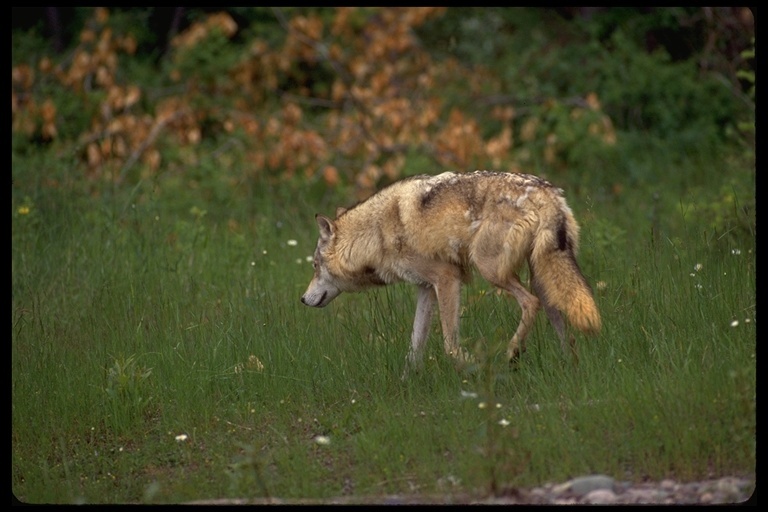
{"points": [[147, 142], [173, 29], [54, 23]]}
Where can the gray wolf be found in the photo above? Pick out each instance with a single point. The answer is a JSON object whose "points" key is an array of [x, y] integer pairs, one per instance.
{"points": [[432, 230]]}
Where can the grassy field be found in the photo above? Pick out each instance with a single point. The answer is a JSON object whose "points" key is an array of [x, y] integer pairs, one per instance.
{"points": [[160, 353]]}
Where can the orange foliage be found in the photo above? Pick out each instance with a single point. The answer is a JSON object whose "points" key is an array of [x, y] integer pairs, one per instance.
{"points": [[382, 97], [199, 31]]}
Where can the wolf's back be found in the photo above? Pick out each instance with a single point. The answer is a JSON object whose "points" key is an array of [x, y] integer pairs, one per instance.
{"points": [[554, 266]]}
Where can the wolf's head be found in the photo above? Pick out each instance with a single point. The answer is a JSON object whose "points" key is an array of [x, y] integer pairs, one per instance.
{"points": [[324, 286]]}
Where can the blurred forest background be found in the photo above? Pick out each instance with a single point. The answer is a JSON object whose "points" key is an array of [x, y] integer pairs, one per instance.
{"points": [[215, 98]]}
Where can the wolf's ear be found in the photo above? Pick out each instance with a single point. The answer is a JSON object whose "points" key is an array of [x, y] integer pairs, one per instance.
{"points": [[339, 211], [326, 226]]}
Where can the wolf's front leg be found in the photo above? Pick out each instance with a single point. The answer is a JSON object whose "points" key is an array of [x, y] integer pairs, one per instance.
{"points": [[425, 305], [448, 292]]}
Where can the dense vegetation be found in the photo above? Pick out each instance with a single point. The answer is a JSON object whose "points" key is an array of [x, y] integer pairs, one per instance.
{"points": [[364, 96]]}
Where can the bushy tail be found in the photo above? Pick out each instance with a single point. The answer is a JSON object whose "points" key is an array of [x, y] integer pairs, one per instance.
{"points": [[558, 276]]}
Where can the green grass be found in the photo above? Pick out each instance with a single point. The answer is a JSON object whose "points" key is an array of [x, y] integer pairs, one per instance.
{"points": [[140, 317]]}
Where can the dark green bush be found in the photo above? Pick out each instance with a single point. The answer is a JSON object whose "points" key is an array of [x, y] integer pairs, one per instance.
{"points": [[540, 55], [670, 100]]}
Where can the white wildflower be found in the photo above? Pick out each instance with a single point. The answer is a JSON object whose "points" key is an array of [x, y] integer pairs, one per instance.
{"points": [[254, 363]]}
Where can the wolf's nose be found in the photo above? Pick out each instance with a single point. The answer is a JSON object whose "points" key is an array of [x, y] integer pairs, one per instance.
{"points": [[302, 300]]}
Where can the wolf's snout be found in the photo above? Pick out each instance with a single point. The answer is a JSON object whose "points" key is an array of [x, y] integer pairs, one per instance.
{"points": [[309, 301]]}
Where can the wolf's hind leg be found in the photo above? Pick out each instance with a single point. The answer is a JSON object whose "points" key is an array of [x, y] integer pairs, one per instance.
{"points": [[489, 269], [425, 306], [529, 305], [556, 319]]}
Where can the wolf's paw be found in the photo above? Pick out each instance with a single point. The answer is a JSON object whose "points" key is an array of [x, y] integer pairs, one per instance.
{"points": [[514, 359], [463, 360], [414, 363], [409, 371]]}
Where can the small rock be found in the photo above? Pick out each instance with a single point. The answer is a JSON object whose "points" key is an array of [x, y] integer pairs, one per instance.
{"points": [[727, 486], [644, 496], [584, 484], [600, 497], [668, 484]]}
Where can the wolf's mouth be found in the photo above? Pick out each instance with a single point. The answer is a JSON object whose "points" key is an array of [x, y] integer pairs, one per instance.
{"points": [[316, 304]]}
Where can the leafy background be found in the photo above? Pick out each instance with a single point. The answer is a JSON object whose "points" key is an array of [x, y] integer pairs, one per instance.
{"points": [[362, 96]]}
